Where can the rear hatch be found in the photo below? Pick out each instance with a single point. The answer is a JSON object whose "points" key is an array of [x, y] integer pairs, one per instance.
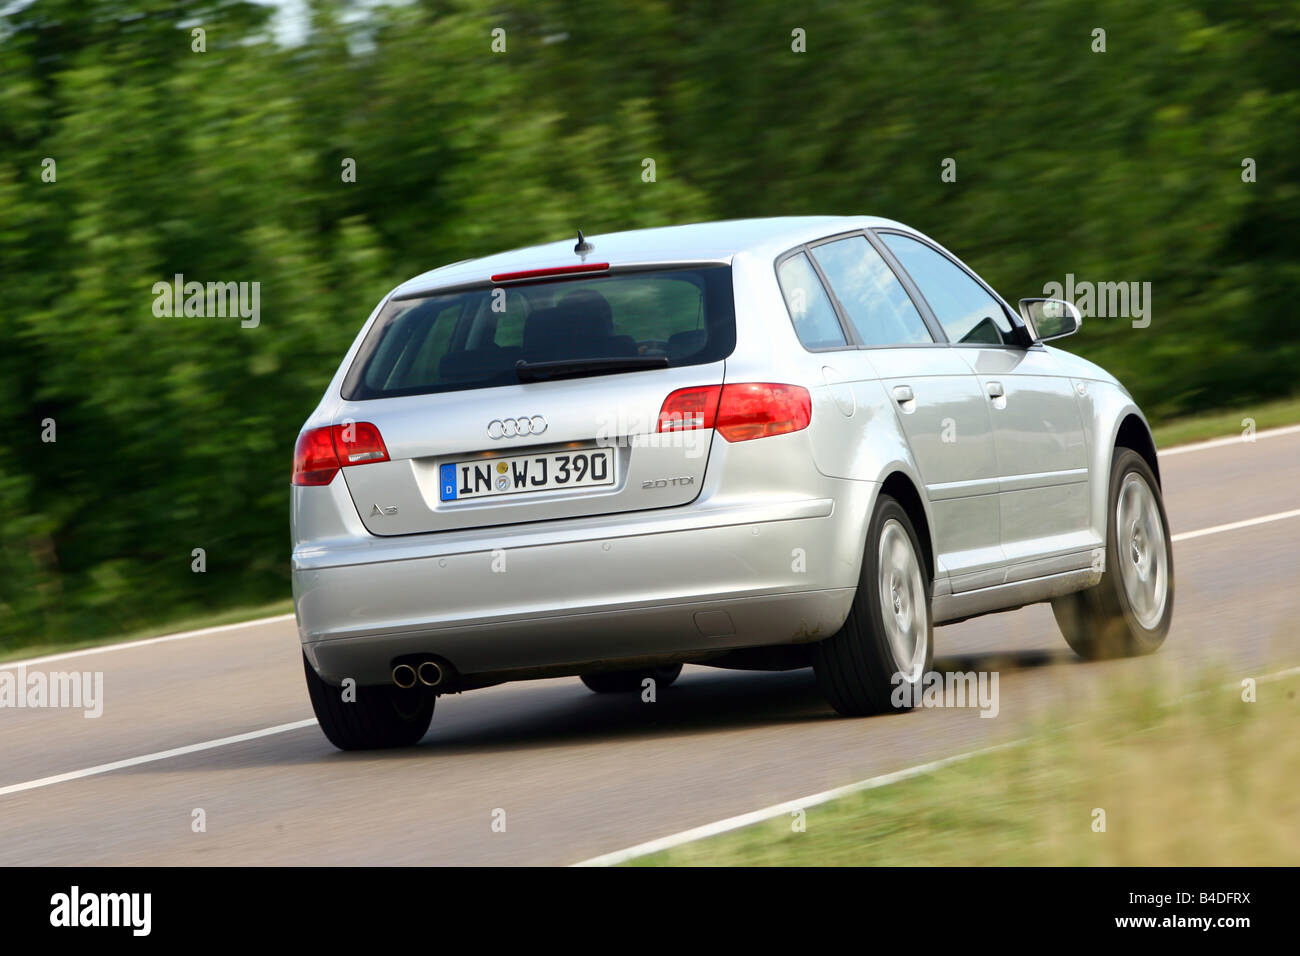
{"points": [[538, 396]]}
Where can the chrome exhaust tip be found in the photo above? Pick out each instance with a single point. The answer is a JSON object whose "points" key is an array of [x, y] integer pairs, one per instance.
{"points": [[430, 673], [404, 676]]}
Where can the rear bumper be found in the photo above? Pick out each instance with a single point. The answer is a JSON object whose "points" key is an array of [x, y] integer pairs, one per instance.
{"points": [[672, 583]]}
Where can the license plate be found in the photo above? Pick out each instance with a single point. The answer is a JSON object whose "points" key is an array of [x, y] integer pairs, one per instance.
{"points": [[486, 477]]}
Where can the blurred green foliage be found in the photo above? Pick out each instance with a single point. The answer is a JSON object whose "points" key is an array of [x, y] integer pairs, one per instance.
{"points": [[176, 433]]}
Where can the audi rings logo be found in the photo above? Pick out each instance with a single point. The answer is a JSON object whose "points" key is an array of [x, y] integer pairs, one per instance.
{"points": [[514, 427]]}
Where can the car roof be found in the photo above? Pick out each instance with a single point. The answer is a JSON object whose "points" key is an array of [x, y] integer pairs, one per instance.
{"points": [[695, 242]]}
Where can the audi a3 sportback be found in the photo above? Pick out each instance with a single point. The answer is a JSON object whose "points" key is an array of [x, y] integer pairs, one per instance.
{"points": [[761, 444]]}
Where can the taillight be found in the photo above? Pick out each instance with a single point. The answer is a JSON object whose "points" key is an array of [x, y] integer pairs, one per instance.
{"points": [[321, 452], [359, 443], [756, 410], [739, 412], [689, 408], [314, 459]]}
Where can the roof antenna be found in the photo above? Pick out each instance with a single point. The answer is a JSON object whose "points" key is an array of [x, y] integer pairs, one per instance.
{"points": [[583, 247]]}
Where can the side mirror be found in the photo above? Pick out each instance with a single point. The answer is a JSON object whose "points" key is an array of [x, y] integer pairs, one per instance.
{"points": [[1050, 318]]}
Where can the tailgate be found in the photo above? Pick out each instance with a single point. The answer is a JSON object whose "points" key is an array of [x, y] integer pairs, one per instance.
{"points": [[592, 448]]}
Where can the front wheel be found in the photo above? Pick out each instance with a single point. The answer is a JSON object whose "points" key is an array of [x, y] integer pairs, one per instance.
{"points": [[1128, 612], [378, 717], [876, 661]]}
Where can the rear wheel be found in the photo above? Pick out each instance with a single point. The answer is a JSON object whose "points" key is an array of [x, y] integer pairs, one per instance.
{"points": [[622, 682], [887, 640], [1128, 611], [380, 716]]}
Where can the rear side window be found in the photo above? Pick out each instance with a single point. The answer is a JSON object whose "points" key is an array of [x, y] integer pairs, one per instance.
{"points": [[472, 339], [810, 307], [963, 307], [876, 302]]}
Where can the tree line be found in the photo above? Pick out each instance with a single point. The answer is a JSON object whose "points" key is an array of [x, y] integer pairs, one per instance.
{"points": [[142, 141]]}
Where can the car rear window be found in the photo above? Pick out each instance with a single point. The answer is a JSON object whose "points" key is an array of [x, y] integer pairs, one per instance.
{"points": [[472, 339]]}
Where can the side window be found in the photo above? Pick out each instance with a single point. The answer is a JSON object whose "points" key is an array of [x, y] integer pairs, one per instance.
{"points": [[965, 310], [810, 307], [876, 302]]}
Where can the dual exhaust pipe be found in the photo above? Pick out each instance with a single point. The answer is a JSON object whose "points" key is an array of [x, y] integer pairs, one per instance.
{"points": [[428, 673]]}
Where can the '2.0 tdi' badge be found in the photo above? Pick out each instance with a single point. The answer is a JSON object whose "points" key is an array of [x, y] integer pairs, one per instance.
{"points": [[665, 482]]}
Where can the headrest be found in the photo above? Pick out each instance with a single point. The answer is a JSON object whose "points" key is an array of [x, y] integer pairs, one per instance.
{"points": [[587, 311], [577, 323]]}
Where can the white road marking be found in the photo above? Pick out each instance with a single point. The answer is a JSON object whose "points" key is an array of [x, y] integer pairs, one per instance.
{"points": [[150, 758], [871, 783], [780, 809], [1234, 525], [1223, 442], [127, 645], [1277, 675]]}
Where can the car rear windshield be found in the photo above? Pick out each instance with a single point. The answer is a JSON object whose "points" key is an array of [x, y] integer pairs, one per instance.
{"points": [[476, 338]]}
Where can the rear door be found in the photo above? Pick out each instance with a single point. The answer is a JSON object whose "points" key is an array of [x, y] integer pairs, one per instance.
{"points": [[937, 401], [1038, 430], [536, 400]]}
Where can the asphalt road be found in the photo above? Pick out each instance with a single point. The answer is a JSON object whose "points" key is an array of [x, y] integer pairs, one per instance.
{"points": [[579, 775]]}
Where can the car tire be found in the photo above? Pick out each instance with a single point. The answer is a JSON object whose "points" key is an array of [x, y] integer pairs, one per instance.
{"points": [[623, 682], [380, 717], [856, 667], [1127, 613]]}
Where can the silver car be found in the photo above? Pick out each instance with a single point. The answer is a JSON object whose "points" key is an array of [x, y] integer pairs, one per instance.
{"points": [[761, 444]]}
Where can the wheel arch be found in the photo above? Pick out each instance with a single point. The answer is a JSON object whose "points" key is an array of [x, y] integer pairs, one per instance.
{"points": [[1112, 420], [903, 490], [1133, 433]]}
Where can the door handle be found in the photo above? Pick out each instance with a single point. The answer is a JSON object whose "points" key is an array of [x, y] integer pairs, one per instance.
{"points": [[995, 390], [903, 393]]}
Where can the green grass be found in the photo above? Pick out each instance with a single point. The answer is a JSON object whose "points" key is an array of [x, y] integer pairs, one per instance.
{"points": [[1185, 779], [1226, 424], [232, 616]]}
